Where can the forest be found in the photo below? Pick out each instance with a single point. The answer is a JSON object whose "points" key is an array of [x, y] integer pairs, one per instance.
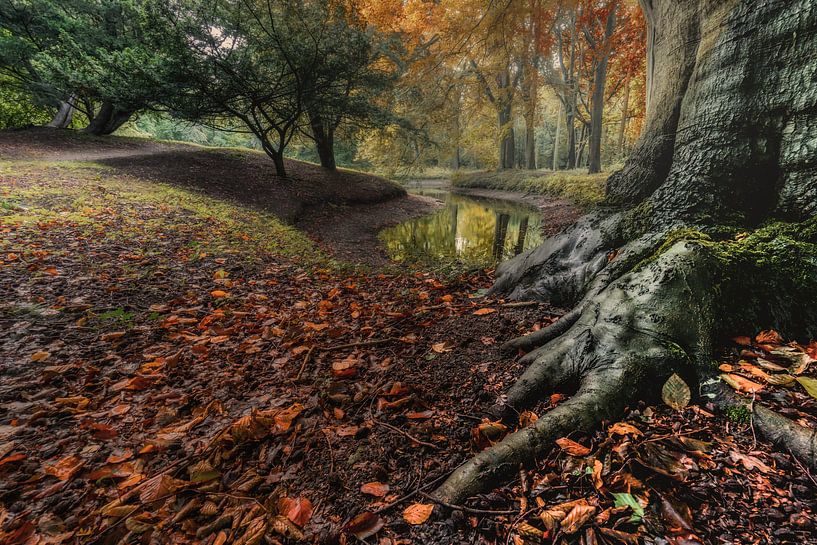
{"points": [[408, 271]]}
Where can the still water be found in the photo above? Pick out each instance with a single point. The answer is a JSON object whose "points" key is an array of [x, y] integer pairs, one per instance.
{"points": [[472, 230]]}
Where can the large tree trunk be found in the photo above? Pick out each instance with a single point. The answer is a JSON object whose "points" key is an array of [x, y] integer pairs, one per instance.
{"points": [[107, 120], [713, 234], [65, 114], [622, 126], [599, 83]]}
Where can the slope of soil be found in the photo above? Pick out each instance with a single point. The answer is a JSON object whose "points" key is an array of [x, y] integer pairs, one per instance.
{"points": [[321, 202]]}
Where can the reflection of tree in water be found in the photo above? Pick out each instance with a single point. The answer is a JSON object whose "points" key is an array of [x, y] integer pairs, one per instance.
{"points": [[474, 231]]}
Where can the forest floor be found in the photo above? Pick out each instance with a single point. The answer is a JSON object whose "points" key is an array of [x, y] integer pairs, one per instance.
{"points": [[178, 367]]}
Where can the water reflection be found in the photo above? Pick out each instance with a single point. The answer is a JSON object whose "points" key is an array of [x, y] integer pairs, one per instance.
{"points": [[475, 231]]}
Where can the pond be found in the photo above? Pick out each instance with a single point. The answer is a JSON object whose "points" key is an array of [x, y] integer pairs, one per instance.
{"points": [[476, 231]]}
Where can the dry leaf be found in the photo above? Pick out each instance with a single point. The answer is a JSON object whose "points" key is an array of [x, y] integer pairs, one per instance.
{"points": [[577, 518], [65, 468], [418, 513], [160, 487], [572, 447], [218, 294], [740, 383], [769, 337], [375, 489], [364, 525], [809, 384], [298, 510], [622, 428], [40, 356], [484, 311], [676, 393]]}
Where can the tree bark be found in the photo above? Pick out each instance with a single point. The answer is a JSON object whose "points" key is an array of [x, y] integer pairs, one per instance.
{"points": [[65, 114], [718, 239], [324, 135], [599, 83], [556, 139], [625, 112], [507, 144], [107, 120]]}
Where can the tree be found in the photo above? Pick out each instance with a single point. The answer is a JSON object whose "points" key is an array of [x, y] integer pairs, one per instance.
{"points": [[710, 229], [75, 55]]}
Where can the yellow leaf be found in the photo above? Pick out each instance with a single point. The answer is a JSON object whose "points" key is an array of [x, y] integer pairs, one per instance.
{"points": [[40, 356], [418, 513], [809, 384], [675, 393]]}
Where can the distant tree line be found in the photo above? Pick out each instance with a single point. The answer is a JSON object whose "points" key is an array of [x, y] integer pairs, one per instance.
{"points": [[275, 69]]}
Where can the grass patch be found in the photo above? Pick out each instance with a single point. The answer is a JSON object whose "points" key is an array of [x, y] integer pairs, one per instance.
{"points": [[91, 195], [574, 185]]}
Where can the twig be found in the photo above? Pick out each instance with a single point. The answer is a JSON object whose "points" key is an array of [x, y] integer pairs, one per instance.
{"points": [[303, 365], [372, 342], [411, 494], [519, 304], [468, 510], [398, 430]]}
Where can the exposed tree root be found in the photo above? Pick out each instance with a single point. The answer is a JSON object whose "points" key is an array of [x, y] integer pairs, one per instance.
{"points": [[800, 441]]}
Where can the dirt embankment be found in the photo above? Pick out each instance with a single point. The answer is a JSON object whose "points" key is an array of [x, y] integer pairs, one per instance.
{"points": [[342, 210]]}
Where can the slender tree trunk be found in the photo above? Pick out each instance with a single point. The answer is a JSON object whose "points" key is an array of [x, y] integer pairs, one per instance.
{"points": [[507, 144], [280, 166], [599, 83], [556, 138], [530, 141], [65, 114], [324, 135], [570, 122], [625, 113], [523, 233]]}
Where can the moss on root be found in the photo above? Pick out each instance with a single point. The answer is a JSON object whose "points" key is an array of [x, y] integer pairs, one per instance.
{"points": [[763, 277]]}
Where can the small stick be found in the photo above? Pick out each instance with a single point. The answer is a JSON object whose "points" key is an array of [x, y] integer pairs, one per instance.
{"points": [[356, 344], [303, 365], [468, 510], [398, 430]]}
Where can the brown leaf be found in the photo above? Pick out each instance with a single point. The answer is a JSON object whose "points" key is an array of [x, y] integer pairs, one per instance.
{"points": [[65, 468], [418, 513], [743, 341], [622, 428], [484, 311], [676, 393], [375, 489], [577, 518], [40, 356], [624, 537], [364, 525], [749, 462], [551, 518], [769, 337], [740, 383], [112, 336], [298, 510], [160, 487], [572, 447]]}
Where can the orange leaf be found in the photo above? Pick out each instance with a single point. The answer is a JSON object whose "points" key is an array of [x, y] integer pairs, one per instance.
{"points": [[65, 468], [160, 487], [40, 356], [418, 513], [13, 458], [622, 428], [741, 384], [218, 294], [484, 311], [769, 337], [375, 489], [572, 447], [577, 517], [743, 341], [298, 510]]}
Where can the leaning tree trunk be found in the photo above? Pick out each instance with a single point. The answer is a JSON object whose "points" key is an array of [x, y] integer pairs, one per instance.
{"points": [[64, 115], [107, 120], [709, 230]]}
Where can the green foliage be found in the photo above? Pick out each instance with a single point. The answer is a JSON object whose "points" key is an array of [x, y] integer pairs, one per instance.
{"points": [[577, 186], [18, 107]]}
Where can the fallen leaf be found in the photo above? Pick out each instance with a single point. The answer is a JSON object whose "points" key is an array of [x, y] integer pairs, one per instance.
{"points": [[418, 513], [484, 311], [364, 525], [622, 428], [40, 356], [572, 447], [740, 383], [160, 487], [749, 462], [375, 489], [112, 336], [218, 294], [769, 337], [810, 384], [676, 393], [577, 518], [298, 510], [65, 468]]}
